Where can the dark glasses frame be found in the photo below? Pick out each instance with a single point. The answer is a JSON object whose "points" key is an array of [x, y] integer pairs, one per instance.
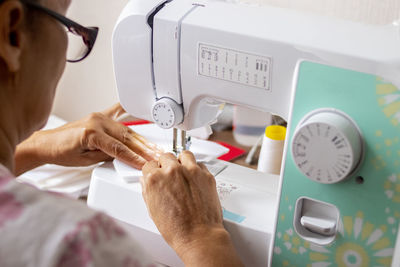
{"points": [[88, 34]]}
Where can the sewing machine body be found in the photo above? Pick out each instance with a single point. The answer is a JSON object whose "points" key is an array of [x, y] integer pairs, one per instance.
{"points": [[203, 54], [336, 82]]}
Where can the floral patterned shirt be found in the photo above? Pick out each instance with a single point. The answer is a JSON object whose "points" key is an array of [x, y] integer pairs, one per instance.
{"points": [[45, 229]]}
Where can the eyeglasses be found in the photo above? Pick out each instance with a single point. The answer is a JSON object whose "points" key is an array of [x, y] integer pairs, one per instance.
{"points": [[80, 39]]}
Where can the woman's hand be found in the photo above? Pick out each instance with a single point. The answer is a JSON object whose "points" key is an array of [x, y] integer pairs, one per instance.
{"points": [[96, 138], [182, 200]]}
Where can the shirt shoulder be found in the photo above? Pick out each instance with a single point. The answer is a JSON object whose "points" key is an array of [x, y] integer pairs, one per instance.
{"points": [[54, 230]]}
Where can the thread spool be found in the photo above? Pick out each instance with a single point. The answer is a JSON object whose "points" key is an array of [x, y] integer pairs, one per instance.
{"points": [[249, 125], [271, 152]]}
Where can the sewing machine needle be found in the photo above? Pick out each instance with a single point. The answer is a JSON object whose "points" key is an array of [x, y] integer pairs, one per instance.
{"points": [[174, 141], [183, 140]]}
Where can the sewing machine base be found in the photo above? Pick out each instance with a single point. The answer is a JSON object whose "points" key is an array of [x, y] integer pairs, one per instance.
{"points": [[249, 199]]}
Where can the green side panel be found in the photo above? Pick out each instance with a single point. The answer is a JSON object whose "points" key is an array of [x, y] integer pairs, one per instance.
{"points": [[370, 211]]}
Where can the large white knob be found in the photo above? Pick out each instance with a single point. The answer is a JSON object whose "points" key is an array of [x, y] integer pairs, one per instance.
{"points": [[327, 146], [167, 113]]}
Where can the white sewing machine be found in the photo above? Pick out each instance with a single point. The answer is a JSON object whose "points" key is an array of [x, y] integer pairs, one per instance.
{"points": [[337, 200]]}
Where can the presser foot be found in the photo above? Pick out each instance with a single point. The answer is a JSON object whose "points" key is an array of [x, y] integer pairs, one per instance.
{"points": [[180, 141]]}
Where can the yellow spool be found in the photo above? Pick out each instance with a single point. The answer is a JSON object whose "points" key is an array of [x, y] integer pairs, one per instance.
{"points": [[275, 132]]}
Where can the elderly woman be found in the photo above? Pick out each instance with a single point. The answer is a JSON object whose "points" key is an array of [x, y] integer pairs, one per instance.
{"points": [[42, 229]]}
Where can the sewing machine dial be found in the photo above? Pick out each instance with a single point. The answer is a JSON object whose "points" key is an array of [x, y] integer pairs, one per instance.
{"points": [[327, 146], [167, 113]]}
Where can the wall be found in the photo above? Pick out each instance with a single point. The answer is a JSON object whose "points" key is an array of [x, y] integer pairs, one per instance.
{"points": [[367, 11], [89, 86]]}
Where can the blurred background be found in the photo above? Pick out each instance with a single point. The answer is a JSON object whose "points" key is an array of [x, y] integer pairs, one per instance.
{"points": [[89, 86]]}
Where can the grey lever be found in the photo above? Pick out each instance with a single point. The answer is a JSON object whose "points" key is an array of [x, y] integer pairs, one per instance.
{"points": [[319, 226]]}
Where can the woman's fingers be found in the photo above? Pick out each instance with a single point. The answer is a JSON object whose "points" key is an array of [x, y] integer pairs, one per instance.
{"points": [[95, 156], [121, 133], [168, 159], [203, 167], [187, 159], [114, 111], [117, 149], [131, 139], [146, 142], [131, 147], [150, 167]]}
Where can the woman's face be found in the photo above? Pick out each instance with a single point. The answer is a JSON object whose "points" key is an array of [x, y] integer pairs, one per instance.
{"points": [[43, 63], [32, 59]]}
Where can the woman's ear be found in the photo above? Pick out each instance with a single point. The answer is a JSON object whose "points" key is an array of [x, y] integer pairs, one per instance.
{"points": [[11, 34]]}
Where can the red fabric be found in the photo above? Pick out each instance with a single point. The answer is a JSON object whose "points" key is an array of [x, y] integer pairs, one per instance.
{"points": [[234, 152], [139, 122]]}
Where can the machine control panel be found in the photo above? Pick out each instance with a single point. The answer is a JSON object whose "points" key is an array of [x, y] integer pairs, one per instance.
{"points": [[235, 66], [327, 146]]}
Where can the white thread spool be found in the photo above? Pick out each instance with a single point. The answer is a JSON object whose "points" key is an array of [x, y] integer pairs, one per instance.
{"points": [[271, 153], [249, 124]]}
